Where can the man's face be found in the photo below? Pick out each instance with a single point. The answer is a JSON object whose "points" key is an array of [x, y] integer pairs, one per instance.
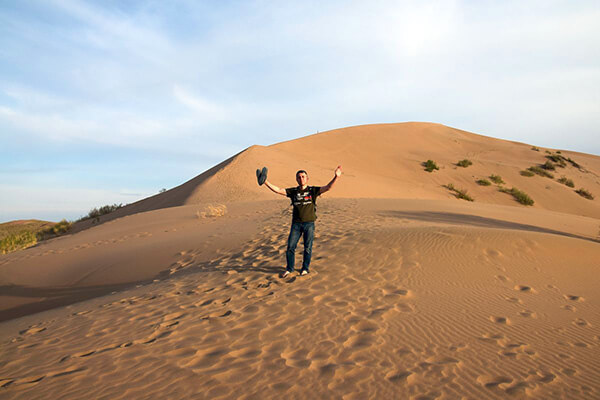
{"points": [[301, 178]]}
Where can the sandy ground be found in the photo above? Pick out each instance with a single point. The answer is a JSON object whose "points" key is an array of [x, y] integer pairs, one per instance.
{"points": [[405, 299], [412, 292]]}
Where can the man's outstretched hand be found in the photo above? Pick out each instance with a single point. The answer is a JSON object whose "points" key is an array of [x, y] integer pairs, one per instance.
{"points": [[338, 171]]}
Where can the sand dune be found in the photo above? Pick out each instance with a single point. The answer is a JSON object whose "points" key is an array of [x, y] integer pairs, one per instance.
{"points": [[413, 293], [384, 161]]}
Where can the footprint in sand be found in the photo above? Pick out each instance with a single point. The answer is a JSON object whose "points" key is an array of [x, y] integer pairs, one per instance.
{"points": [[398, 376], [404, 307], [527, 314], [500, 320], [569, 307], [32, 330], [525, 289], [492, 253], [492, 337], [581, 322], [491, 382], [514, 300], [573, 297]]}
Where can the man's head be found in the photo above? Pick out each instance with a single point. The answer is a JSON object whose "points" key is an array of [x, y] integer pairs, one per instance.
{"points": [[301, 177]]}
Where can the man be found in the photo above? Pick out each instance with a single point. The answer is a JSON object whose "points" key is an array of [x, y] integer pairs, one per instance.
{"points": [[303, 199]]}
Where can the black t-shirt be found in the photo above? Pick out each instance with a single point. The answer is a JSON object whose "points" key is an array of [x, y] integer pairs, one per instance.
{"points": [[304, 202]]}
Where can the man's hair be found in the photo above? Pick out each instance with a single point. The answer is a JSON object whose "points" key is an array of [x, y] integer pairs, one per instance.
{"points": [[301, 171]]}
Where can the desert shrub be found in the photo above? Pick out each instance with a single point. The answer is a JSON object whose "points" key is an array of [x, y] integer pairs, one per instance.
{"points": [[96, 213], [484, 182], [464, 163], [540, 171], [549, 166], [162, 190], [212, 211], [565, 181], [430, 166], [497, 179], [18, 241], [573, 163], [526, 173], [535, 148], [459, 193], [61, 227], [520, 196], [585, 193], [558, 159]]}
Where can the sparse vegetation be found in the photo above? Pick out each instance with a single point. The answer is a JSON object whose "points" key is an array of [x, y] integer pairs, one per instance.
{"points": [[573, 163], [460, 193], [96, 213], [20, 235], [162, 190], [535, 148], [430, 166], [549, 166], [497, 179], [558, 159], [520, 196], [464, 163], [484, 182], [17, 241], [565, 181], [540, 171], [526, 173], [585, 193]]}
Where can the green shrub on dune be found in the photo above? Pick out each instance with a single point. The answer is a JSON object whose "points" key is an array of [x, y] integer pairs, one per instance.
{"points": [[497, 179], [585, 193], [526, 173], [520, 196], [430, 166], [565, 181]]}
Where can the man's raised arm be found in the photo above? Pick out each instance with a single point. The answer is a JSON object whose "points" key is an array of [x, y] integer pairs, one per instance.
{"points": [[275, 189], [338, 173]]}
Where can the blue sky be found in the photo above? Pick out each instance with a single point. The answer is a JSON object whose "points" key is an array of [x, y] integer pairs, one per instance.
{"points": [[110, 101]]}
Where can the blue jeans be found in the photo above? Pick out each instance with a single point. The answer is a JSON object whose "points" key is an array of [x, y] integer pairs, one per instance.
{"points": [[307, 230]]}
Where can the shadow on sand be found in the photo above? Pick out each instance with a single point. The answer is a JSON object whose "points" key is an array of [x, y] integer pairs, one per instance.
{"points": [[474, 220]]}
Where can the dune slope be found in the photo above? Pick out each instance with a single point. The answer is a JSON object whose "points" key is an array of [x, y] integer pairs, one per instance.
{"points": [[384, 161]]}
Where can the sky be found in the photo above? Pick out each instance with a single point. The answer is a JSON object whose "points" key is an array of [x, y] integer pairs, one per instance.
{"points": [[105, 102]]}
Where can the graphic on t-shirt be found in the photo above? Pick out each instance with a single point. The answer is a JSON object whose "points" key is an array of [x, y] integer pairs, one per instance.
{"points": [[304, 203]]}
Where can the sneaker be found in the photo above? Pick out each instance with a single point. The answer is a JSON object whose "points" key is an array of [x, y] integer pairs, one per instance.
{"points": [[286, 274], [304, 272]]}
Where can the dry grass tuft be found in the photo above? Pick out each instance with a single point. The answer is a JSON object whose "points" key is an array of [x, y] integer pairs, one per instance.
{"points": [[497, 179], [520, 196], [212, 211], [526, 173], [459, 193], [585, 193], [565, 181], [540, 171]]}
